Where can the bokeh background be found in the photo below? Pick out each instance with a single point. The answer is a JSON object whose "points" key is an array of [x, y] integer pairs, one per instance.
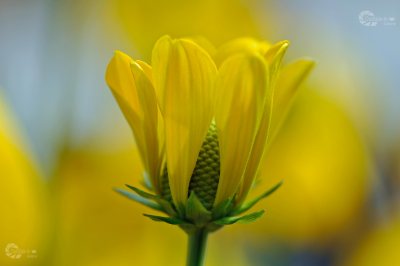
{"points": [[64, 143]]}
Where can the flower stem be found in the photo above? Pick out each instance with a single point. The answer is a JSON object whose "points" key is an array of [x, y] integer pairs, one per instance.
{"points": [[196, 247]]}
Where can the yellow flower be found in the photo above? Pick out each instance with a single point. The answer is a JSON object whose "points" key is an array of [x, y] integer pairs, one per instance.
{"points": [[202, 123]]}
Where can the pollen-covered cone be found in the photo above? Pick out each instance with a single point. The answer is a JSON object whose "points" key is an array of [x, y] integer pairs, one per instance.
{"points": [[23, 210]]}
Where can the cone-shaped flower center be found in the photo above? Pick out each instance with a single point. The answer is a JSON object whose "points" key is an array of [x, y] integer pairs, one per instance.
{"points": [[205, 177]]}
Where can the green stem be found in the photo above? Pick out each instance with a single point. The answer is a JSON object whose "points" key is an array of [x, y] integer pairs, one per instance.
{"points": [[197, 247]]}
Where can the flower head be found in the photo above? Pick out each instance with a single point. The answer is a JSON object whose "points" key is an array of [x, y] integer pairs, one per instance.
{"points": [[203, 122]]}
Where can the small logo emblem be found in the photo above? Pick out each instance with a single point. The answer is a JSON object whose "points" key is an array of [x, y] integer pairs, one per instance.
{"points": [[367, 18], [13, 251]]}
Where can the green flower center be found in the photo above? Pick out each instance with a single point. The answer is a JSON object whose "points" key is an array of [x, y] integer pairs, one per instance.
{"points": [[205, 177]]}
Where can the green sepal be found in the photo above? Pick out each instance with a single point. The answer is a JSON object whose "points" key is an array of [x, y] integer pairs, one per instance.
{"points": [[180, 208], [166, 206], [223, 209], [196, 212], [249, 218], [248, 205], [168, 220], [139, 199], [142, 193]]}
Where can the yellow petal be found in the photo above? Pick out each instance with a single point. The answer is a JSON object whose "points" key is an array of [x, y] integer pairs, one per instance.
{"points": [[135, 95], [149, 123], [161, 138], [274, 58], [241, 89], [184, 77], [204, 43], [240, 45], [146, 69], [120, 80], [286, 87]]}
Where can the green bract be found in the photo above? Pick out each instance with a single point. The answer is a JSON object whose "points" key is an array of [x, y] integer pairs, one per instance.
{"points": [[195, 215]]}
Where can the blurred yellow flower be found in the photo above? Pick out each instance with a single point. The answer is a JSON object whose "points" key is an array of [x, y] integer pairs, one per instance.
{"points": [[202, 127], [143, 22], [23, 208], [327, 172], [379, 247]]}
